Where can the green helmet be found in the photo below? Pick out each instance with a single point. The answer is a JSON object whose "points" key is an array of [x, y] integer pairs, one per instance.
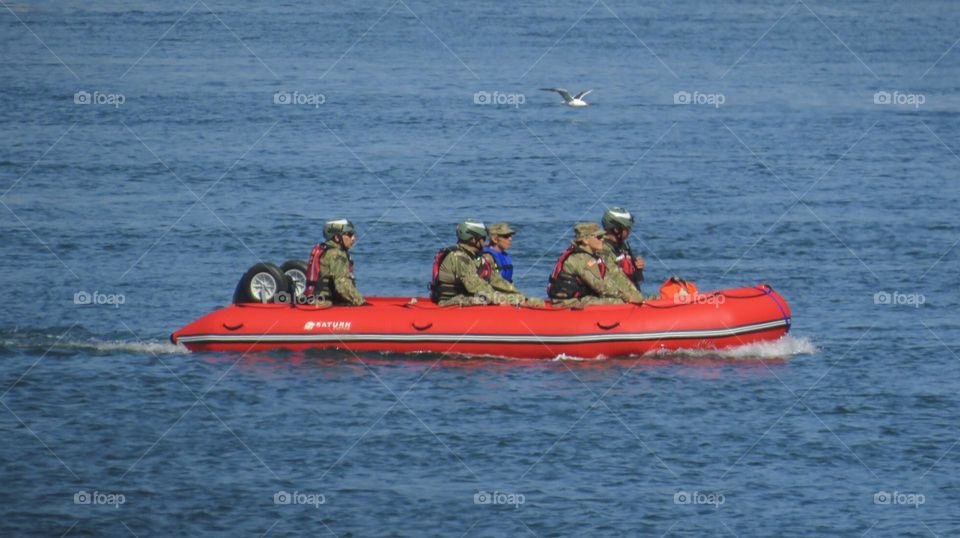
{"points": [[336, 228], [470, 229], [617, 217]]}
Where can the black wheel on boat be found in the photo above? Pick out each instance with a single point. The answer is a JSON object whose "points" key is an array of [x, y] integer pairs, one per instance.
{"points": [[260, 284], [296, 273]]}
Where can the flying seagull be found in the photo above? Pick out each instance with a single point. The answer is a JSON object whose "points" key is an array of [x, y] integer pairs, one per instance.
{"points": [[568, 99]]}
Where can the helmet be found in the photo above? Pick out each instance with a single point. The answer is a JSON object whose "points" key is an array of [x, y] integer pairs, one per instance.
{"points": [[336, 228], [617, 217], [470, 229]]}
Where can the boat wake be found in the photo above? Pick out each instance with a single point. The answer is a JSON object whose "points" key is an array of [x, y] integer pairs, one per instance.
{"points": [[43, 343], [786, 347], [120, 346]]}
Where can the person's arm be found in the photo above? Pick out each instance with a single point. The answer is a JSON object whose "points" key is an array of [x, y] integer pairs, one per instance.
{"points": [[620, 284], [623, 287], [499, 283], [466, 272], [343, 284]]}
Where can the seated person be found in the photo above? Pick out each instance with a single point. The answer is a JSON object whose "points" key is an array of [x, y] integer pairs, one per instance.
{"points": [[330, 269], [581, 277], [501, 237], [617, 254], [462, 277]]}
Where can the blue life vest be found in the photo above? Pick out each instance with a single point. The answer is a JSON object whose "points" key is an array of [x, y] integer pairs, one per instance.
{"points": [[504, 262]]}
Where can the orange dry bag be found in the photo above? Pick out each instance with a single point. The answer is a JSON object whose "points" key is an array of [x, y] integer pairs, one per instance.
{"points": [[677, 289]]}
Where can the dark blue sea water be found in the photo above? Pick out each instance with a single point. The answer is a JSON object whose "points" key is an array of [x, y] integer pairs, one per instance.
{"points": [[153, 151]]}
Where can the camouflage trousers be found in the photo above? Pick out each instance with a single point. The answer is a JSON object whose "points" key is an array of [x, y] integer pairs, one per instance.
{"points": [[587, 301], [514, 299]]}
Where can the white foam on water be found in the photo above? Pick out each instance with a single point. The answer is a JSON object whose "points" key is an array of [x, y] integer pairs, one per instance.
{"points": [[572, 358], [111, 346], [788, 346]]}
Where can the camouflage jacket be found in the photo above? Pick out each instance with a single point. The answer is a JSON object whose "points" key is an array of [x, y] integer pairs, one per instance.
{"points": [[336, 276], [586, 268], [615, 273], [459, 277]]}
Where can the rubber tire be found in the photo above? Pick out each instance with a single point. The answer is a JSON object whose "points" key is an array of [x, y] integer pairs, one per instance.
{"points": [[263, 271], [297, 266]]}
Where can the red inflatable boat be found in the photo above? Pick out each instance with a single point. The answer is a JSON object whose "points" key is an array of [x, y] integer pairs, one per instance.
{"points": [[718, 319]]}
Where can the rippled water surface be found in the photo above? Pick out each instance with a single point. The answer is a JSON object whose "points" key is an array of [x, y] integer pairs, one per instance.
{"points": [[150, 156]]}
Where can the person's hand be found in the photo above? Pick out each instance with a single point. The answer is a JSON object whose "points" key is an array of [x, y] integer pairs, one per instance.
{"points": [[638, 262]]}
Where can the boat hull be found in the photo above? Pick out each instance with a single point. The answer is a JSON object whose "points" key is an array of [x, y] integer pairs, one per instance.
{"points": [[714, 320]]}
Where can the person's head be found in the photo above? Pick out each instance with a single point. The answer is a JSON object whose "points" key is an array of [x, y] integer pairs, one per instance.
{"points": [[501, 236], [589, 235], [617, 223], [340, 231], [471, 232]]}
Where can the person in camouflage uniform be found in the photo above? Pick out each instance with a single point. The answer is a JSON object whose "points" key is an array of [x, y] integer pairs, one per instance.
{"points": [[581, 276], [625, 268], [330, 269], [462, 277]]}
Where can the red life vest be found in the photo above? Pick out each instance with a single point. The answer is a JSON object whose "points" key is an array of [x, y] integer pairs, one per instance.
{"points": [[313, 267], [624, 257], [565, 286], [316, 283]]}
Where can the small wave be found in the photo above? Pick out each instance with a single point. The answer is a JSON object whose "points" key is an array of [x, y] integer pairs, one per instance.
{"points": [[573, 358], [788, 346]]}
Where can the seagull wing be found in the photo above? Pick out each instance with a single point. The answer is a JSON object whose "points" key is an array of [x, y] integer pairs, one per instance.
{"points": [[563, 93], [581, 95]]}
